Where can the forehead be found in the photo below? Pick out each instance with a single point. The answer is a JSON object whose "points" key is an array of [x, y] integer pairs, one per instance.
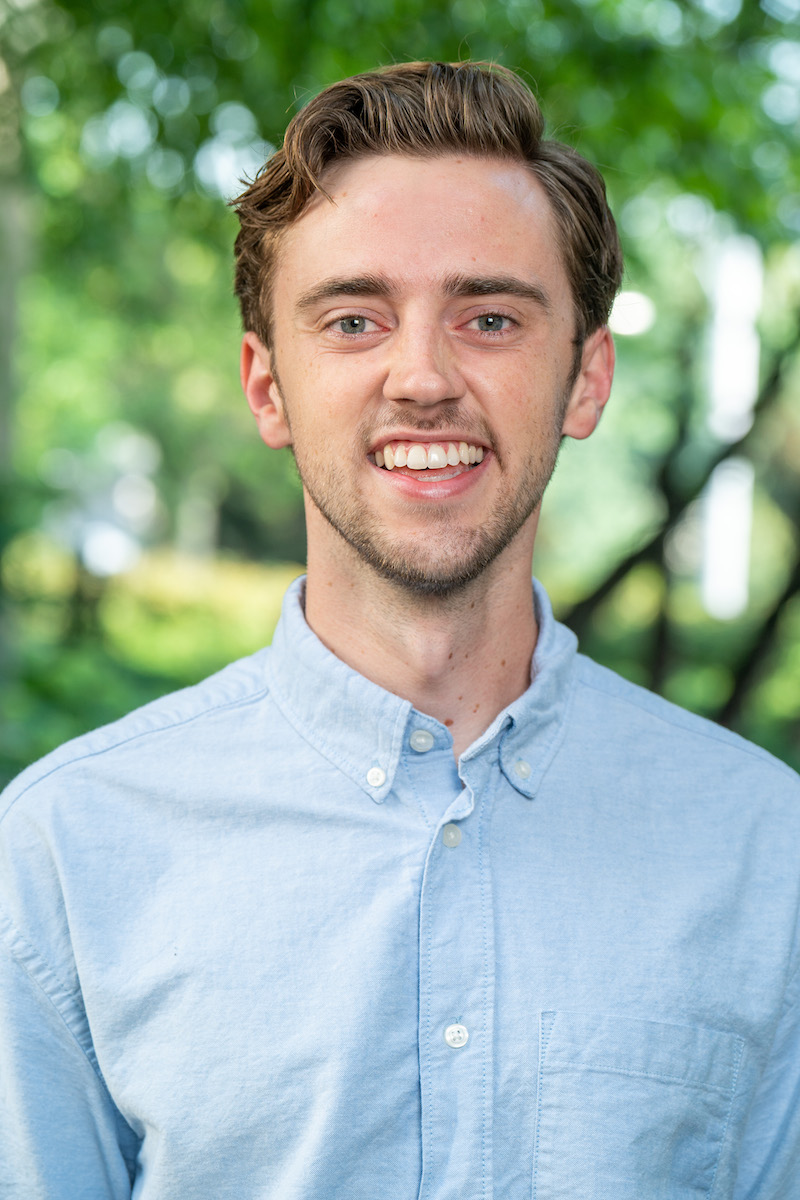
{"points": [[419, 220]]}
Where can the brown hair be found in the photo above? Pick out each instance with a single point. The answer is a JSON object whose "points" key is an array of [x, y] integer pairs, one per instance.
{"points": [[427, 109]]}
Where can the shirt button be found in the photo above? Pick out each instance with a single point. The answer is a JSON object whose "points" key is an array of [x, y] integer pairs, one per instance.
{"points": [[522, 768], [376, 777], [421, 740], [456, 1036], [451, 835]]}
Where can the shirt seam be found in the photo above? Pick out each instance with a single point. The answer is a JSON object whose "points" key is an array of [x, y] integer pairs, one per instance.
{"points": [[426, 1033], [544, 1043], [787, 1003], [724, 1137], [124, 741], [610, 1069], [321, 747], [318, 744], [550, 753], [742, 746], [484, 842], [27, 957], [87, 1055]]}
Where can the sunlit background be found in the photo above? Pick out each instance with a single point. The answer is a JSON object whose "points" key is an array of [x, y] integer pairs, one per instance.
{"points": [[146, 535]]}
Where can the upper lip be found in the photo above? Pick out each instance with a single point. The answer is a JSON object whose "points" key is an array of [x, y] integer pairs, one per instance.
{"points": [[427, 437]]}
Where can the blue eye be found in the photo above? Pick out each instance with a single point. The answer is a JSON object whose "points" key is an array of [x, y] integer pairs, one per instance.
{"points": [[491, 322], [352, 324]]}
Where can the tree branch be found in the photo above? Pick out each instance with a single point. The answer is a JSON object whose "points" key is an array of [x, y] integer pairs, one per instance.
{"points": [[653, 549]]}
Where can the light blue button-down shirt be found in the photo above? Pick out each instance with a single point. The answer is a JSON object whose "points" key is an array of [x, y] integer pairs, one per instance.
{"points": [[266, 939]]}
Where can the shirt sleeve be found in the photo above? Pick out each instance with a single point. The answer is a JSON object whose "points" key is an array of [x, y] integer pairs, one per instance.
{"points": [[61, 1136], [769, 1163]]}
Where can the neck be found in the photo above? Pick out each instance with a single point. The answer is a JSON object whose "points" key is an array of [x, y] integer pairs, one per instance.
{"points": [[461, 659]]}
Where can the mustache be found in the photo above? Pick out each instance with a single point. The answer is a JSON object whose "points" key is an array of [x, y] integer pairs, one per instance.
{"points": [[447, 416]]}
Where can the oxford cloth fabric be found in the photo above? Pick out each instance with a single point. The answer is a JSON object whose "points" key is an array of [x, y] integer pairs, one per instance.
{"points": [[240, 956]]}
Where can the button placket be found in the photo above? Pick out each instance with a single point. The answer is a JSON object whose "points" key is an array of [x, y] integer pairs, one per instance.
{"points": [[457, 995]]}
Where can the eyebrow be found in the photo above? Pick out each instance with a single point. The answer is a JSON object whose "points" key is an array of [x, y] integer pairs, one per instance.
{"points": [[330, 289], [454, 286], [497, 285]]}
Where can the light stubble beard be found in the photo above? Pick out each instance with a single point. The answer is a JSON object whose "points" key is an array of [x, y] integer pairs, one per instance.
{"points": [[403, 562]]}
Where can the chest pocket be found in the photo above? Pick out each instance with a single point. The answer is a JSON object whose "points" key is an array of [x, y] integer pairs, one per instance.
{"points": [[629, 1108]]}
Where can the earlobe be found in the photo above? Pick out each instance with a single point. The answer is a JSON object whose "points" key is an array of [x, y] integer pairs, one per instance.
{"points": [[263, 395], [592, 388]]}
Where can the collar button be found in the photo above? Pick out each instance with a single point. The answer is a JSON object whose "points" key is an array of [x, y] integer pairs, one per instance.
{"points": [[421, 740]]}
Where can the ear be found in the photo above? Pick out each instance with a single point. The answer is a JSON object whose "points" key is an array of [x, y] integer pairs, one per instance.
{"points": [[261, 389], [592, 387]]}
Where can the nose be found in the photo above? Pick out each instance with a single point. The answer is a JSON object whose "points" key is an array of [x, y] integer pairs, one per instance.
{"points": [[421, 366]]}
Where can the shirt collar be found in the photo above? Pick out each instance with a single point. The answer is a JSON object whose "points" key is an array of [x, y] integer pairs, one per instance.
{"points": [[361, 728]]}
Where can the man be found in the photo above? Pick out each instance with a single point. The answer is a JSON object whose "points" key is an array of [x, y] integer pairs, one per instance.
{"points": [[417, 902]]}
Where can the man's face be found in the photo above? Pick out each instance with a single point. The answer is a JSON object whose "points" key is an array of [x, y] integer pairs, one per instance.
{"points": [[427, 307]]}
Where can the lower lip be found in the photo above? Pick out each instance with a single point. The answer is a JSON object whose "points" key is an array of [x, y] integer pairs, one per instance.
{"points": [[424, 485]]}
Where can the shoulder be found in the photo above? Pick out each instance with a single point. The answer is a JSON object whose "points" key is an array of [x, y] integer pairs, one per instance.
{"points": [[648, 724], [157, 731]]}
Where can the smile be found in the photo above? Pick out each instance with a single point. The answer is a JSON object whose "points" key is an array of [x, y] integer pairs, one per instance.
{"points": [[419, 456]]}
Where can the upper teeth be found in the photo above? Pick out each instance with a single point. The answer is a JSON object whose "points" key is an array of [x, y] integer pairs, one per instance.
{"points": [[436, 456]]}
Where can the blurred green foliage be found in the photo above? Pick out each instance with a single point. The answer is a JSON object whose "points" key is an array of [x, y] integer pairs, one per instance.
{"points": [[143, 526]]}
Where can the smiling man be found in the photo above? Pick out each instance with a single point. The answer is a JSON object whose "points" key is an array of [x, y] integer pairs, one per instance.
{"points": [[418, 902], [424, 384]]}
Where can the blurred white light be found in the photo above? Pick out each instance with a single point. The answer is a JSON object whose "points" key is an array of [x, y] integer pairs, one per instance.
{"points": [[727, 526], [723, 10], [129, 129], [690, 215], [735, 347], [633, 313], [165, 168], [135, 499], [95, 146], [789, 212], [221, 166], [128, 449], [125, 130], [171, 96], [642, 216], [781, 103], [666, 20], [137, 70], [107, 550], [784, 60], [113, 41], [734, 367], [781, 10], [683, 546], [234, 123], [771, 157]]}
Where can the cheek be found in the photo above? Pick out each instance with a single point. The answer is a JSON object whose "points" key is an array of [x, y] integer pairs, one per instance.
{"points": [[530, 420], [338, 389], [338, 376]]}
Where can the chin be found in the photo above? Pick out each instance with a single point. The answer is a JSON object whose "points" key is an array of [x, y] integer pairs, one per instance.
{"points": [[438, 560], [409, 572], [417, 581]]}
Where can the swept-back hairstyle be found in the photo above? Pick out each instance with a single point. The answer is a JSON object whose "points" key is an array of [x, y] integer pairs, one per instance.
{"points": [[426, 110]]}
